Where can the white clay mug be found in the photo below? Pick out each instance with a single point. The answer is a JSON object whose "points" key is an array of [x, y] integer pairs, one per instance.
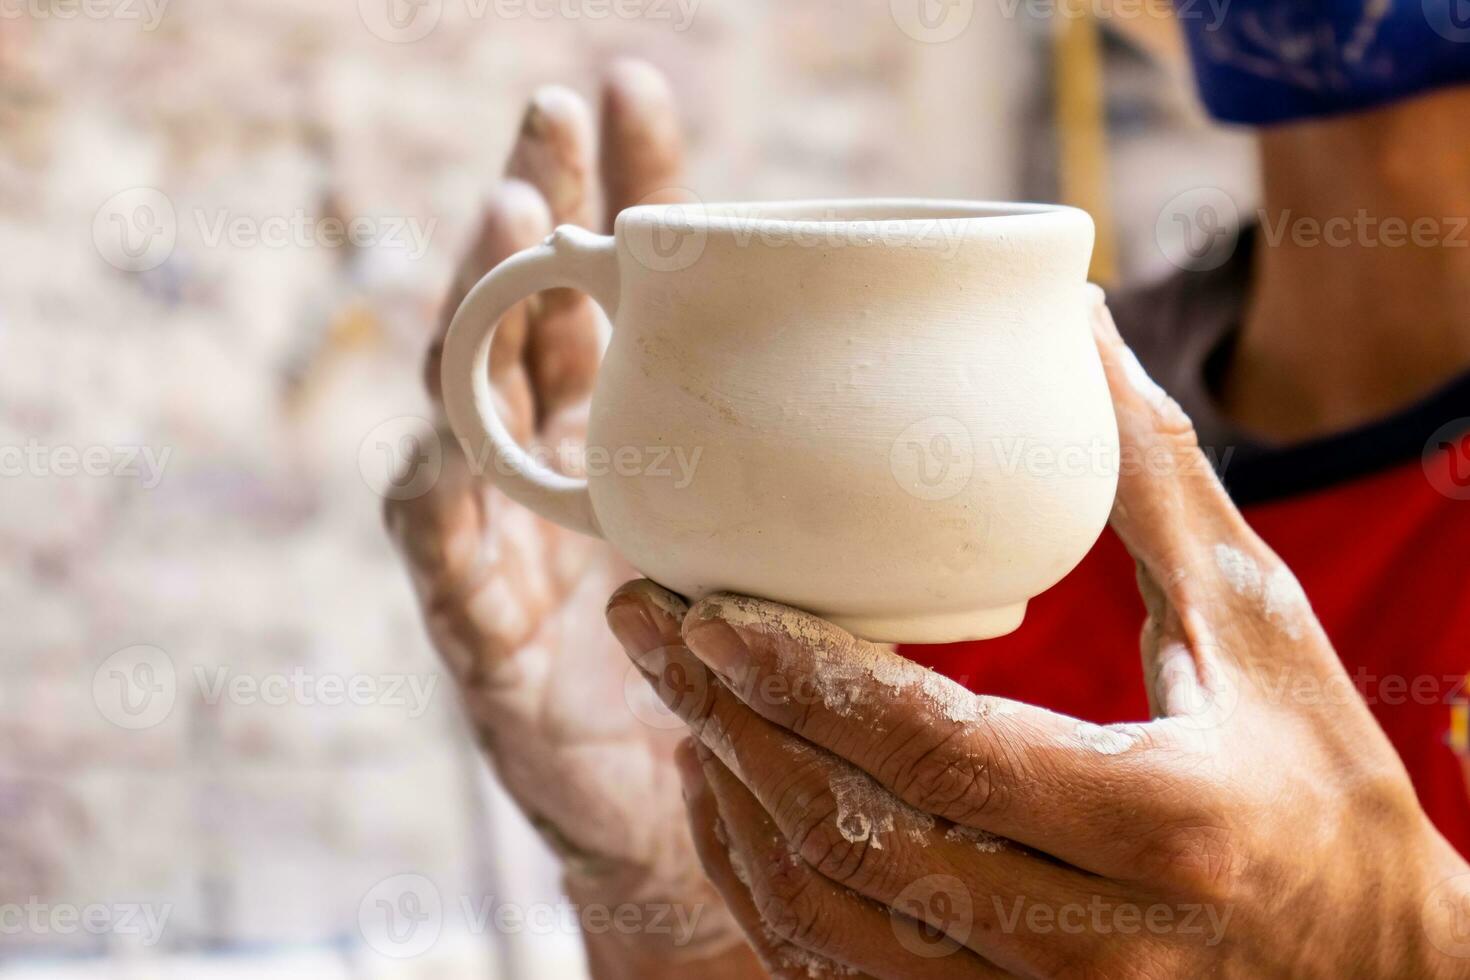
{"points": [[889, 413]]}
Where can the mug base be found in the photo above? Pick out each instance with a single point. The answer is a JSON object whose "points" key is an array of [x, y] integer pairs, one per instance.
{"points": [[983, 624]]}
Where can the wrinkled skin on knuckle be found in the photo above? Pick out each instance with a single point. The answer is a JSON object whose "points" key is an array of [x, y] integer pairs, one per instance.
{"points": [[1133, 961], [954, 781], [1198, 857], [855, 863], [787, 902]]}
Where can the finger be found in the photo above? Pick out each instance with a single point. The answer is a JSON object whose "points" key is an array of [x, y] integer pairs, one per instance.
{"points": [[554, 154], [711, 842], [1176, 519], [515, 217], [642, 147], [479, 604], [808, 922], [856, 833], [1169, 503], [1014, 770]]}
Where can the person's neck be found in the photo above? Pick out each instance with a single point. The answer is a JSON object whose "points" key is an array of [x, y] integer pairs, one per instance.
{"points": [[1358, 321]]}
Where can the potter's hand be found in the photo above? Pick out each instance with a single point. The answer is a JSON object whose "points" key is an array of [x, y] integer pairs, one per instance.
{"points": [[855, 807], [513, 603]]}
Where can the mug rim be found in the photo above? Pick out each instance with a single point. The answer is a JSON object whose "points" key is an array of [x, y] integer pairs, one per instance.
{"points": [[905, 212]]}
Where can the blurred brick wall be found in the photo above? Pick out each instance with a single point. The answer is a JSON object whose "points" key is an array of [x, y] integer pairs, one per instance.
{"points": [[261, 376]]}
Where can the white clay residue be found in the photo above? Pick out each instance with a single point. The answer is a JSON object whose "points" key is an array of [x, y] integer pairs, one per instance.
{"points": [[666, 601], [843, 669], [865, 810], [769, 617], [1104, 741], [983, 841], [956, 703], [1286, 602], [796, 958], [1138, 379], [1240, 570], [737, 865], [1280, 594]]}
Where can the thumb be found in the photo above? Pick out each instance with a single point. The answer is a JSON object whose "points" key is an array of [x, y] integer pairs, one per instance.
{"points": [[1213, 588], [646, 618], [1170, 505]]}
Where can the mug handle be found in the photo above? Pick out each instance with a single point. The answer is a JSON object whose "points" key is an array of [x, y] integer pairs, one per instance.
{"points": [[571, 257]]}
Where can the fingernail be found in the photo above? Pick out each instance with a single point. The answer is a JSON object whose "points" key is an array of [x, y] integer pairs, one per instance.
{"points": [[633, 625], [719, 646]]}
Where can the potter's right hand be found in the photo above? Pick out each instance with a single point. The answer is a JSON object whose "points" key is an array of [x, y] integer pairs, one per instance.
{"points": [[515, 604]]}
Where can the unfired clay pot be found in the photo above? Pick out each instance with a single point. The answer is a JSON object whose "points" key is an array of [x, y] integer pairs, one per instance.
{"points": [[888, 413]]}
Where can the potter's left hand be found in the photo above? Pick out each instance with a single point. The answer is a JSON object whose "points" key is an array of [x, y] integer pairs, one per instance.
{"points": [[860, 813]]}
